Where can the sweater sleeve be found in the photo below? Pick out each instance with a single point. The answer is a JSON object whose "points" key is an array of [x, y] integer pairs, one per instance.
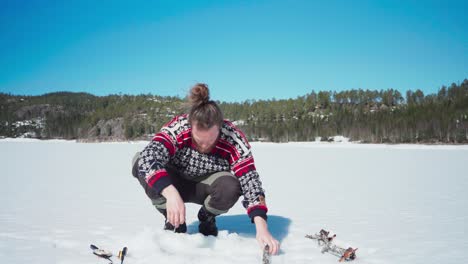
{"points": [[244, 168], [155, 156]]}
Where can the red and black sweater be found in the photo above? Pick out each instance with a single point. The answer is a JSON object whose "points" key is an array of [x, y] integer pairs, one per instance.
{"points": [[173, 145]]}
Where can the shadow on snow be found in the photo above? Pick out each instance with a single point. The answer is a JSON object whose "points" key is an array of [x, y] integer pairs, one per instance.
{"points": [[240, 224]]}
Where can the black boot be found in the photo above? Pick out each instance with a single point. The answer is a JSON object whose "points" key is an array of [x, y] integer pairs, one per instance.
{"points": [[168, 226], [207, 224], [181, 229]]}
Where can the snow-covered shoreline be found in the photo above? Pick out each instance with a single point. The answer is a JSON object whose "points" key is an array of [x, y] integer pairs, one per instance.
{"points": [[301, 144]]}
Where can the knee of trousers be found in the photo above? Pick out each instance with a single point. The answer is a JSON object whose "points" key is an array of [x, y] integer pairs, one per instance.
{"points": [[159, 203], [135, 159], [157, 200], [225, 191]]}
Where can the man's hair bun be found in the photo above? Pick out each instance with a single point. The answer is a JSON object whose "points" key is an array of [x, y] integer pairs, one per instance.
{"points": [[199, 94], [203, 112]]}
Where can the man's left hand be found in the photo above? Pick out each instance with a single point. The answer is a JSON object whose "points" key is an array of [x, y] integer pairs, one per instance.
{"points": [[264, 237]]}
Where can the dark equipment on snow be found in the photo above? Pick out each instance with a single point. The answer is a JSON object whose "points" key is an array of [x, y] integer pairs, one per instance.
{"points": [[328, 246], [101, 253], [122, 254], [105, 254]]}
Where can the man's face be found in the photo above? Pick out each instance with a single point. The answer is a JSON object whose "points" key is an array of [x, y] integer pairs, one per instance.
{"points": [[205, 139]]}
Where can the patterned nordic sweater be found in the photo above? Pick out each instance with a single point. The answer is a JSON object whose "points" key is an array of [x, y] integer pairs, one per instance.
{"points": [[173, 145]]}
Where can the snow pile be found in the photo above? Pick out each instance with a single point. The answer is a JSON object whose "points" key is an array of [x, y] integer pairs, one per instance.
{"points": [[336, 139], [340, 139]]}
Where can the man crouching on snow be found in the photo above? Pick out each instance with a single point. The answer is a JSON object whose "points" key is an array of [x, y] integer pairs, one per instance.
{"points": [[192, 159]]}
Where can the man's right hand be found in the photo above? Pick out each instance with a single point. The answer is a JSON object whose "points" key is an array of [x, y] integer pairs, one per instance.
{"points": [[175, 206]]}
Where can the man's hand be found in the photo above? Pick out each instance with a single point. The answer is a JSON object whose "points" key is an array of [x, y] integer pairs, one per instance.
{"points": [[264, 237], [175, 206]]}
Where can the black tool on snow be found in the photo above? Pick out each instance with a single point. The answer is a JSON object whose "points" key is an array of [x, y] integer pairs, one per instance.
{"points": [[122, 254], [101, 253]]}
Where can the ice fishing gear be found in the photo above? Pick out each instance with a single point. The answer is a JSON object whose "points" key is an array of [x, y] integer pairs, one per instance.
{"points": [[266, 255], [101, 253], [105, 254], [322, 237], [349, 254], [326, 241], [122, 254]]}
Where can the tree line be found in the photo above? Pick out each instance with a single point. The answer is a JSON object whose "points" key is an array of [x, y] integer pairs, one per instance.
{"points": [[373, 116]]}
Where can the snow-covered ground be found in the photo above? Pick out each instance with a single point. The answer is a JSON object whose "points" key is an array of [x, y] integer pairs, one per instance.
{"points": [[397, 204]]}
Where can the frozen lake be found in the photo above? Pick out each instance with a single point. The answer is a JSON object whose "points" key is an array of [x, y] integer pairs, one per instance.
{"points": [[397, 204]]}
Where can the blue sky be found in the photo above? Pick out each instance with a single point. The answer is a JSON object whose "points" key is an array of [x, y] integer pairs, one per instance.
{"points": [[242, 49]]}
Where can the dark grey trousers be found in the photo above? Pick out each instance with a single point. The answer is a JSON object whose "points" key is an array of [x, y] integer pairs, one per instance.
{"points": [[218, 192]]}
